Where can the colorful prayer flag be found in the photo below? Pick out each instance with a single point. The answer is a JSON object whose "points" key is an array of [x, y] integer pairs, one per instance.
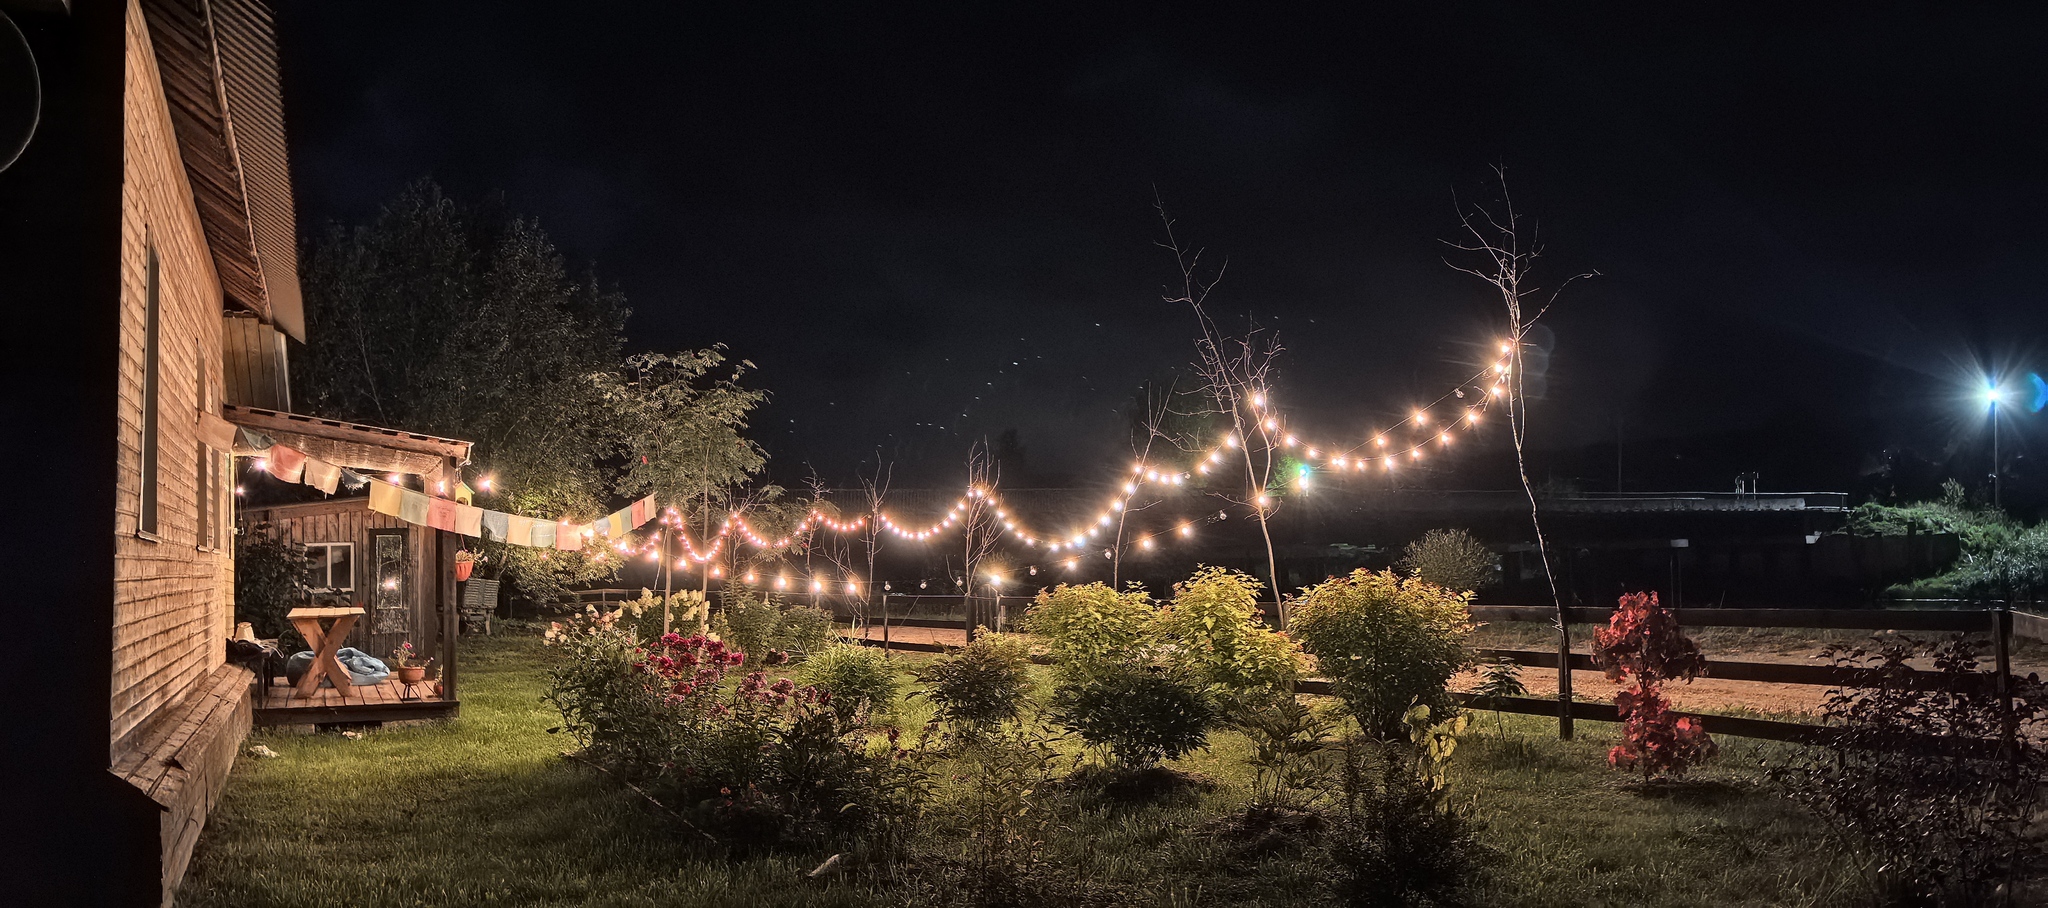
{"points": [[287, 463], [568, 538], [412, 507], [495, 526], [385, 498], [322, 475], [469, 521], [441, 513], [539, 533]]}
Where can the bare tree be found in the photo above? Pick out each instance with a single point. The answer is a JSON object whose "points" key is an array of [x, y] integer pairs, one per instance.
{"points": [[1234, 374], [1150, 428], [1507, 253], [980, 527]]}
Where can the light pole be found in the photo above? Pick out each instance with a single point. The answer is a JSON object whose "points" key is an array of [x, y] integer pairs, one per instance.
{"points": [[1995, 395]]}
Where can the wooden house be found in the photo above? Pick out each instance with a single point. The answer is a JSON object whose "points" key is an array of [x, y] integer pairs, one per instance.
{"points": [[150, 280]]}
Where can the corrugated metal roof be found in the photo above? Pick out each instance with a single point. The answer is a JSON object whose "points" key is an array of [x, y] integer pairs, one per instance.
{"points": [[218, 63]]}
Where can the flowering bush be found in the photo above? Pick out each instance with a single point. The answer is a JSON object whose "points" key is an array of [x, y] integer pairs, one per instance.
{"points": [[755, 759], [405, 657], [1386, 644], [1643, 640]]}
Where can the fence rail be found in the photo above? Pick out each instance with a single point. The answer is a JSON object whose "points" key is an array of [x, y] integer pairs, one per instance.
{"points": [[2002, 625]]}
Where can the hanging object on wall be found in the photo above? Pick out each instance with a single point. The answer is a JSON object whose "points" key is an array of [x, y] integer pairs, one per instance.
{"points": [[21, 93]]}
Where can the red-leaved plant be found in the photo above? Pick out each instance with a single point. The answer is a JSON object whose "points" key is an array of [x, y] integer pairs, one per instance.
{"points": [[1642, 642]]}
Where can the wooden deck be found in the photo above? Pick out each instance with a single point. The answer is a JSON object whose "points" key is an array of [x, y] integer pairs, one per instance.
{"points": [[370, 703]]}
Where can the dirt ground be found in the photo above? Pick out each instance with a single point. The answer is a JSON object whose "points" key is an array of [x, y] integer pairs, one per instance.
{"points": [[1702, 695]]}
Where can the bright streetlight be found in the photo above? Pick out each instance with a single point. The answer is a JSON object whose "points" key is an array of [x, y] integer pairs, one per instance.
{"points": [[1993, 396]]}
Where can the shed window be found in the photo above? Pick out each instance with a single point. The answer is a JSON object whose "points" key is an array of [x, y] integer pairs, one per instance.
{"points": [[151, 316], [332, 566]]}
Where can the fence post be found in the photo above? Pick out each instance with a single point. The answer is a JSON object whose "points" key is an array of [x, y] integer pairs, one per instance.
{"points": [[885, 620], [1564, 678], [2001, 648]]}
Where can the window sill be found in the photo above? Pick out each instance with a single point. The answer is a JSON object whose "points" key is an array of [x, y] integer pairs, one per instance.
{"points": [[149, 537]]}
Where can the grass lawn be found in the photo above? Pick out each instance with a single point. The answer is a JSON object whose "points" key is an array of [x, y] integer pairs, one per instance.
{"points": [[483, 810]]}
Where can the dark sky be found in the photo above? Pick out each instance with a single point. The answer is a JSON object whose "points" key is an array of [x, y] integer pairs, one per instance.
{"points": [[1815, 225]]}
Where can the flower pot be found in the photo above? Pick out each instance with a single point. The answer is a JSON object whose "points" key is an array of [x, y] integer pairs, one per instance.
{"points": [[412, 674], [462, 569]]}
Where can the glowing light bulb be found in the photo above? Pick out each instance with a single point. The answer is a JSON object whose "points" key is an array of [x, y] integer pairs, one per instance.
{"points": [[1290, 443], [1421, 418], [1381, 441], [782, 583], [1116, 505], [485, 484], [262, 465], [1186, 530], [1259, 399], [1506, 347], [1130, 488], [1264, 501], [816, 586], [1472, 417], [717, 572], [1272, 425], [1231, 441], [1145, 543], [1314, 453], [1070, 564], [851, 589]]}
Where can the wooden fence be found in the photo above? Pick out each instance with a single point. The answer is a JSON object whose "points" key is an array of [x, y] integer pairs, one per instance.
{"points": [[2002, 626]]}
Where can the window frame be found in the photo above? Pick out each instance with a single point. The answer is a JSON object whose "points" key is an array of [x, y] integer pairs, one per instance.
{"points": [[149, 491], [327, 565]]}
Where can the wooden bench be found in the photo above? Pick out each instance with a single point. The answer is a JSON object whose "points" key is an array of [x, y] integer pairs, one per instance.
{"points": [[180, 760]]}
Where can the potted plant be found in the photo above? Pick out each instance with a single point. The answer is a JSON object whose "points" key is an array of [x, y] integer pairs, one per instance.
{"points": [[465, 562], [408, 665]]}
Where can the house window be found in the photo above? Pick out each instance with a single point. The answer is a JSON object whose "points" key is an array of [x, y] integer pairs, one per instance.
{"points": [[331, 566], [151, 315]]}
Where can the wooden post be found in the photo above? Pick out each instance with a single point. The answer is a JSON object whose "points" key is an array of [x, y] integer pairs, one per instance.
{"points": [[1564, 677], [2001, 648], [451, 611], [885, 620]]}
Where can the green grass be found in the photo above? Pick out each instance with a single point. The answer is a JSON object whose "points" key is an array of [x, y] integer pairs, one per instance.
{"points": [[483, 810]]}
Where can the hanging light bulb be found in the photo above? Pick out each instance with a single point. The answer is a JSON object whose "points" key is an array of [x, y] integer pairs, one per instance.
{"points": [[1145, 543], [1186, 530], [851, 589], [1421, 418], [1259, 399], [782, 583], [717, 572]]}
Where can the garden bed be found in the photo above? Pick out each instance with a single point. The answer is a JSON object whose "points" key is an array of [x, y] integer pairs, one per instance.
{"points": [[485, 810]]}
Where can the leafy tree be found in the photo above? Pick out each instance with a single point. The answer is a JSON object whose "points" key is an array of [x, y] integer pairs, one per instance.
{"points": [[1452, 559], [270, 580], [465, 322], [682, 415]]}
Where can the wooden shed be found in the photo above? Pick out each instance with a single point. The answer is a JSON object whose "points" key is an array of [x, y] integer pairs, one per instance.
{"points": [[393, 570]]}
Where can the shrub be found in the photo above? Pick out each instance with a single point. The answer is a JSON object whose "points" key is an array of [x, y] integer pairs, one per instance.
{"points": [[1292, 750], [758, 625], [979, 687], [861, 679], [1642, 640], [1213, 629], [1385, 643], [1921, 775], [1451, 559], [1499, 680], [1090, 625], [1140, 715], [270, 580], [1398, 840]]}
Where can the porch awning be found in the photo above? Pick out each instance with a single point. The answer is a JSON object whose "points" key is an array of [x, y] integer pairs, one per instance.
{"points": [[359, 447]]}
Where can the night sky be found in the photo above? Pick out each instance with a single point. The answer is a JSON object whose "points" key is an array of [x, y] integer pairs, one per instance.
{"points": [[1816, 227]]}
